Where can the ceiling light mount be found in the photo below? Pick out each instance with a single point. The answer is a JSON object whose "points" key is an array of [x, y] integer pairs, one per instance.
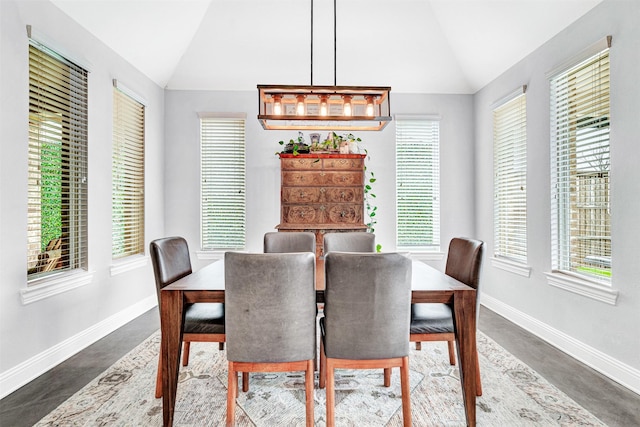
{"points": [[338, 108]]}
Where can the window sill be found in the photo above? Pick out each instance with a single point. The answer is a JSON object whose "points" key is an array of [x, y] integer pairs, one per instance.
{"points": [[46, 287], [589, 288], [210, 254], [127, 264], [423, 256], [511, 266]]}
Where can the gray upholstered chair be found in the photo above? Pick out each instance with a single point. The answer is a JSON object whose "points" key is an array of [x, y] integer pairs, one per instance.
{"points": [[202, 321], [366, 319], [434, 322], [349, 242], [270, 318], [289, 241]]}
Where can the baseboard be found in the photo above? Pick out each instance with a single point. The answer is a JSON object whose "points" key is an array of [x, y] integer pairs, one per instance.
{"points": [[28, 370], [617, 371]]}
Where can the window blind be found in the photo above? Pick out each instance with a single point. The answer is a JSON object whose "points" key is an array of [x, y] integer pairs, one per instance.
{"points": [[417, 183], [510, 179], [57, 177], [127, 209], [223, 212], [580, 120]]}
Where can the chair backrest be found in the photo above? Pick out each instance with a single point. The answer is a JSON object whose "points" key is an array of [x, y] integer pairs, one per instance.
{"points": [[367, 305], [170, 259], [289, 241], [349, 242], [270, 306], [464, 260]]}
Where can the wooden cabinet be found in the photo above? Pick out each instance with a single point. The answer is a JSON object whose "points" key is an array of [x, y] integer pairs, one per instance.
{"points": [[322, 193]]}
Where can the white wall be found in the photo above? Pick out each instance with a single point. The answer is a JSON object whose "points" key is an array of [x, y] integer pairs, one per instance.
{"points": [[38, 335], [604, 336], [263, 166]]}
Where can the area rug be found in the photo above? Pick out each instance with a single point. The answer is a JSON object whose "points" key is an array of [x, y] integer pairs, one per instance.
{"points": [[513, 394]]}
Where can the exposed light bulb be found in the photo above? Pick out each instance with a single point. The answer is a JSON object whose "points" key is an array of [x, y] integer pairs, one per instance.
{"points": [[369, 111], [346, 108], [277, 105], [300, 105], [323, 105]]}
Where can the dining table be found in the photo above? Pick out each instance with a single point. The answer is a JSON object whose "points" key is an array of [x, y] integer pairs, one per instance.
{"points": [[206, 285]]}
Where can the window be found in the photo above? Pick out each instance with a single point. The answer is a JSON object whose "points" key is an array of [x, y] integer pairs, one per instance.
{"points": [[222, 169], [127, 209], [418, 183], [581, 221], [57, 180], [510, 178]]}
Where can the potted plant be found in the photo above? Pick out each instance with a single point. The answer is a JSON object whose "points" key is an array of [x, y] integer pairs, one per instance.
{"points": [[295, 147]]}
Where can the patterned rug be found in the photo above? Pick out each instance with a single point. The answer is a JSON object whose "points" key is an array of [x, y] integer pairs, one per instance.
{"points": [[513, 394]]}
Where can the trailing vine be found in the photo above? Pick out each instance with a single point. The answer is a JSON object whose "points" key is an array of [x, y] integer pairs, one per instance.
{"points": [[369, 197]]}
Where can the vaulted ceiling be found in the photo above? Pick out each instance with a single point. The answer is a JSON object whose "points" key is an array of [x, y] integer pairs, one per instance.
{"points": [[414, 46]]}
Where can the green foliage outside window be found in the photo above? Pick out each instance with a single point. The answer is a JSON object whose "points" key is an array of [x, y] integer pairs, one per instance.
{"points": [[51, 192]]}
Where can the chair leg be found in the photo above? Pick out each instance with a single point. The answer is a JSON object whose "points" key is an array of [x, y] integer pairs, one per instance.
{"points": [[159, 378], [308, 382], [323, 367], [406, 392], [245, 382], [185, 353], [478, 383], [330, 393], [232, 392], [418, 345], [387, 377], [452, 353]]}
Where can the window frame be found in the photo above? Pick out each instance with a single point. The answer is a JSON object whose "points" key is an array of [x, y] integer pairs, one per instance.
{"points": [[74, 275], [222, 133], [128, 174], [570, 85], [58, 116], [510, 182], [413, 159]]}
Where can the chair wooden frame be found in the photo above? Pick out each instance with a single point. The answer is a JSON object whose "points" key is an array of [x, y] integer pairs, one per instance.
{"points": [[246, 367], [326, 378]]}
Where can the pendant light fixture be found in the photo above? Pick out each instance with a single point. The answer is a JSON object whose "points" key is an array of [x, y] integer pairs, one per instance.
{"points": [[338, 108]]}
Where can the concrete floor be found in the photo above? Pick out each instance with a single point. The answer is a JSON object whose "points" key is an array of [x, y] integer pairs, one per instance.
{"points": [[612, 403]]}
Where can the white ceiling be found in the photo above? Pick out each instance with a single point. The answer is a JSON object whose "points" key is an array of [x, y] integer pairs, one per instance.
{"points": [[416, 46]]}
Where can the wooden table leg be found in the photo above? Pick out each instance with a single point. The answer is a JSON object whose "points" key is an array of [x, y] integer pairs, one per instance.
{"points": [[464, 307], [171, 320]]}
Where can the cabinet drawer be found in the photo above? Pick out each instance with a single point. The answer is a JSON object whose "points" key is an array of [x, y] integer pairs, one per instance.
{"points": [[301, 163], [302, 178], [322, 195], [343, 214], [310, 178], [342, 194], [302, 194], [342, 164], [302, 214], [343, 178]]}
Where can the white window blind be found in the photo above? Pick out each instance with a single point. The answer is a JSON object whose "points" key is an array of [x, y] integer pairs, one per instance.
{"points": [[57, 179], [510, 178], [127, 209], [418, 183], [223, 211], [581, 221]]}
